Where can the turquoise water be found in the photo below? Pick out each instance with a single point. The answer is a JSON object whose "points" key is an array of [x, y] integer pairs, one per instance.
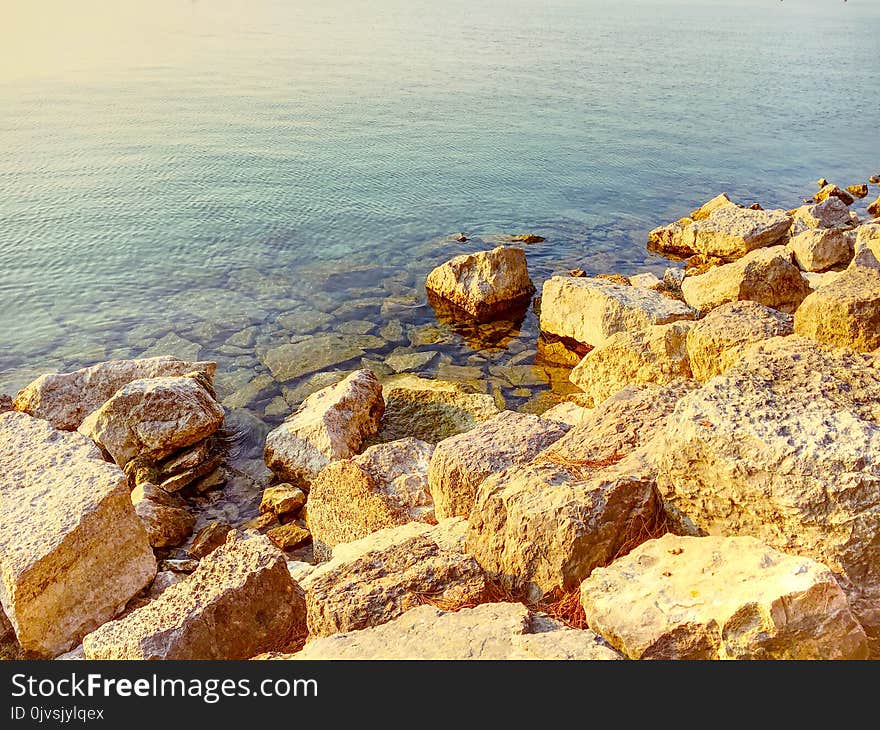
{"points": [[177, 173]]}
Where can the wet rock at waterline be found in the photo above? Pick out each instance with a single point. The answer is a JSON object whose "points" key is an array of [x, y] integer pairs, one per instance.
{"points": [[65, 399], [330, 424], [589, 310], [483, 285]]}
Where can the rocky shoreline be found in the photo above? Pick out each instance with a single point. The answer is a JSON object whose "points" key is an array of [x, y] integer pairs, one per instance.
{"points": [[702, 486]]}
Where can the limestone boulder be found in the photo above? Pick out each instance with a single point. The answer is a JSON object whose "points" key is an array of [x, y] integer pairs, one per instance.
{"points": [[499, 631], [154, 417], [623, 424], [657, 354], [678, 239], [730, 232], [830, 213], [868, 237], [846, 313], [706, 209], [485, 284], [460, 463], [818, 249], [766, 276], [717, 342], [373, 580], [591, 310], [544, 526], [779, 448], [72, 550], [65, 399], [329, 425], [386, 486], [239, 602], [721, 598], [432, 410]]}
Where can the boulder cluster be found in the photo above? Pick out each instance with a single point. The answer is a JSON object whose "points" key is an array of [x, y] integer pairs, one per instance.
{"points": [[710, 491]]}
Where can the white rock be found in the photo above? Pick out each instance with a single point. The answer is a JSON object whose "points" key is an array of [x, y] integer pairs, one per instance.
{"points": [[72, 550], [721, 598], [731, 232], [590, 311]]}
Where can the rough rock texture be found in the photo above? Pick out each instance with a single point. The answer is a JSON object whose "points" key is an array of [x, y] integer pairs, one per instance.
{"points": [[721, 598], [590, 311], [209, 538], [818, 249], [830, 213], [152, 418], [846, 313], [282, 499], [831, 190], [778, 448], [731, 232], [386, 486], [766, 276], [239, 602], [431, 410], [484, 284], [622, 424], [675, 239], [490, 631], [72, 550], [655, 355], [5, 403], [868, 236], [165, 517], [65, 399], [330, 424], [566, 412], [858, 191], [874, 209], [706, 209], [716, 342], [373, 580], [462, 462], [545, 525]]}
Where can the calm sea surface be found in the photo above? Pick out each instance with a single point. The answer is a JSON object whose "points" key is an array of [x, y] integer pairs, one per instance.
{"points": [[215, 179]]}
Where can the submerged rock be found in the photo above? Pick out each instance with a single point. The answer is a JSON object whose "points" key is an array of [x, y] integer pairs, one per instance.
{"points": [[484, 284], [460, 463], [766, 276], [65, 399], [240, 601], [590, 310], [499, 631], [431, 410], [330, 424], [72, 550], [386, 486], [320, 352], [655, 355], [721, 598], [376, 579]]}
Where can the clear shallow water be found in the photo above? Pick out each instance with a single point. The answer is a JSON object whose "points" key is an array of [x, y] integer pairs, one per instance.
{"points": [[177, 173]]}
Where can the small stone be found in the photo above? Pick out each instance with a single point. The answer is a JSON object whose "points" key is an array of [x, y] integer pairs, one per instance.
{"points": [[705, 210], [527, 238], [209, 538], [282, 499], [828, 191], [179, 566], [289, 536], [405, 362], [858, 191]]}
